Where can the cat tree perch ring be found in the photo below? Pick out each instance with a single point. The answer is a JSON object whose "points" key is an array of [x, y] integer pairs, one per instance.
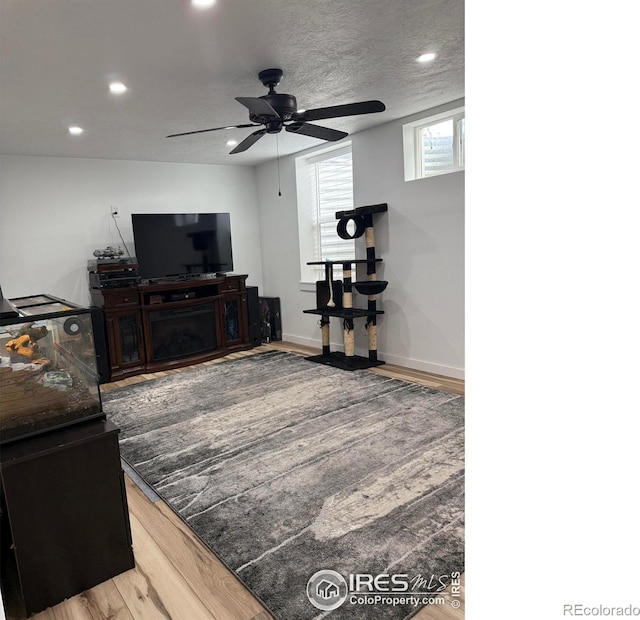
{"points": [[343, 232]]}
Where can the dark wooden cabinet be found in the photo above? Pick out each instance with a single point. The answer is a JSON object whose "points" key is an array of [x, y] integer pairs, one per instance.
{"points": [[123, 323], [65, 515], [233, 319], [234, 313], [162, 325], [124, 335]]}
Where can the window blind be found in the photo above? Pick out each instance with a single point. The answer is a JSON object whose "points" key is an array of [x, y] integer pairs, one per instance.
{"points": [[324, 186], [334, 192]]}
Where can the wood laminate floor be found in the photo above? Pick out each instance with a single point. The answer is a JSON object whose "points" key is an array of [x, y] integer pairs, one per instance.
{"points": [[176, 577]]}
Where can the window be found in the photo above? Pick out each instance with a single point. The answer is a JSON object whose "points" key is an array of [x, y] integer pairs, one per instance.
{"points": [[434, 145], [325, 185]]}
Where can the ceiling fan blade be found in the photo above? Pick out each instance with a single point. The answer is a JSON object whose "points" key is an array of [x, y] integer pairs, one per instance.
{"points": [[316, 131], [258, 107], [188, 133], [248, 141], [334, 111]]}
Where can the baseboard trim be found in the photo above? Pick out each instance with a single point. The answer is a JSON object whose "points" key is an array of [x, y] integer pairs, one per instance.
{"points": [[435, 369]]}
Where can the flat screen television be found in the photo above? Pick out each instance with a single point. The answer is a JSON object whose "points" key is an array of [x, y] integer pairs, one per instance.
{"points": [[173, 245]]}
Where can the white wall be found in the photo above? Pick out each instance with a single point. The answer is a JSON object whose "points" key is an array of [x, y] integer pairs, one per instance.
{"points": [[421, 242], [56, 211]]}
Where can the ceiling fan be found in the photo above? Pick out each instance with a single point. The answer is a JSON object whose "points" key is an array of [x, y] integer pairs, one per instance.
{"points": [[276, 111]]}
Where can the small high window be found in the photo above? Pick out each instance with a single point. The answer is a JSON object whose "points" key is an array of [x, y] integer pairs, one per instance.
{"points": [[434, 145]]}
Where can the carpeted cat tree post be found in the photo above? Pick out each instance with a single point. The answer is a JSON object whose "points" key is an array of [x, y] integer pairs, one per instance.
{"points": [[372, 330], [347, 304]]}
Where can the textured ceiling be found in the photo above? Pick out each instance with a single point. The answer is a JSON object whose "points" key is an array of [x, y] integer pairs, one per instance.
{"points": [[184, 66]]}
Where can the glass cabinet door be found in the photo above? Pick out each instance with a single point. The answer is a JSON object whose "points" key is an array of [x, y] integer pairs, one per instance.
{"points": [[231, 310], [129, 346], [125, 340]]}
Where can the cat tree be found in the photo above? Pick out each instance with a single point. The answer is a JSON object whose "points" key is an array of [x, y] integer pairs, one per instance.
{"points": [[339, 302]]}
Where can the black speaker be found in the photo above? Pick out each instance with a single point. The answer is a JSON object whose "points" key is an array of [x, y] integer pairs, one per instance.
{"points": [[255, 316], [271, 318], [100, 344]]}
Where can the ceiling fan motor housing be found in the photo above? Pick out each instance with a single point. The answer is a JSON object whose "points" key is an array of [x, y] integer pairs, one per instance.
{"points": [[284, 105], [278, 111]]}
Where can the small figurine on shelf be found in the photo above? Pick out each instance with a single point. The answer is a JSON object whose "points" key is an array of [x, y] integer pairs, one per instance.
{"points": [[108, 252], [24, 348]]}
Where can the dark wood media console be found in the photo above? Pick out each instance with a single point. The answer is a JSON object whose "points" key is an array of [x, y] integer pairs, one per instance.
{"points": [[161, 325]]}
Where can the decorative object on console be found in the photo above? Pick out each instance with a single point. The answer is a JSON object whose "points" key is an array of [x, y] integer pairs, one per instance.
{"points": [[362, 218], [108, 252]]}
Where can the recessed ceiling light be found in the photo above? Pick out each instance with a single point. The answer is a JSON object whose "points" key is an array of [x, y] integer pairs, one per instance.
{"points": [[75, 131], [232, 142], [117, 88], [203, 4], [426, 57]]}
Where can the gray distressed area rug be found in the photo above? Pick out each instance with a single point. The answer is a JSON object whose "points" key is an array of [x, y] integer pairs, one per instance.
{"points": [[284, 468]]}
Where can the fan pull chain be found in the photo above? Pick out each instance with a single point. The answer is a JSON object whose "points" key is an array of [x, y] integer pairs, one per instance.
{"points": [[278, 161]]}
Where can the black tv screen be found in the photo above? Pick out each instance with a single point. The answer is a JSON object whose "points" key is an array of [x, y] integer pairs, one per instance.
{"points": [[182, 244]]}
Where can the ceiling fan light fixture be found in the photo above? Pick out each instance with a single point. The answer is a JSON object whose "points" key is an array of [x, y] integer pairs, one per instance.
{"points": [[428, 57], [75, 130], [117, 88]]}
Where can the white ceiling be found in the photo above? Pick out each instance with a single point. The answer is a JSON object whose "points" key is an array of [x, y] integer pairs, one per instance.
{"points": [[184, 67]]}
